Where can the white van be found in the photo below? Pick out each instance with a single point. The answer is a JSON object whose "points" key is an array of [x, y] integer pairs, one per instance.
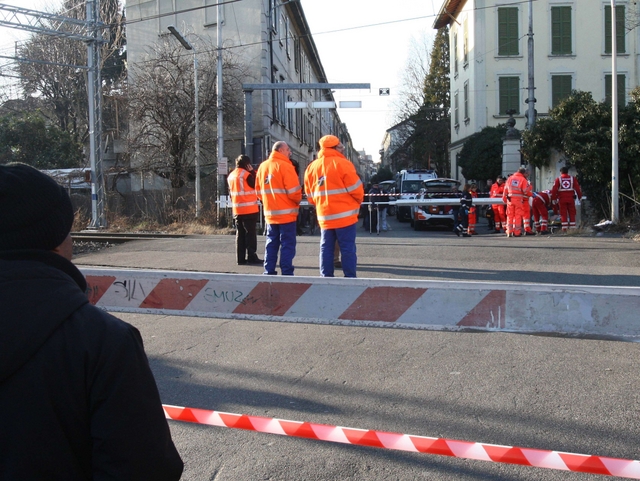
{"points": [[408, 185]]}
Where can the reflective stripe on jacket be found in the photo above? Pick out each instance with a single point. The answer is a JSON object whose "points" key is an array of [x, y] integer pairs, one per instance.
{"points": [[517, 188], [278, 187], [496, 190], [565, 188], [332, 184], [243, 197]]}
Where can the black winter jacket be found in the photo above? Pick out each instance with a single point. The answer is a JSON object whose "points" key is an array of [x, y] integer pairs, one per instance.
{"points": [[77, 396]]}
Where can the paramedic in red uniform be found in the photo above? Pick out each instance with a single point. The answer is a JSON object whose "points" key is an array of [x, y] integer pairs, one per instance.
{"points": [[542, 203], [499, 214], [566, 189]]}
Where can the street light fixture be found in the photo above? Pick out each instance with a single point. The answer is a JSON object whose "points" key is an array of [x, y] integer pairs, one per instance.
{"points": [[185, 43]]}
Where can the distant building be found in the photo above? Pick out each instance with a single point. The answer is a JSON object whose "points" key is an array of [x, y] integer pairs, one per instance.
{"points": [[394, 147], [274, 41], [489, 59]]}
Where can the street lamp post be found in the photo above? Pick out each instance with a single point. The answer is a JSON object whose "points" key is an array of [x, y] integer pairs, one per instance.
{"points": [[185, 43], [615, 207]]}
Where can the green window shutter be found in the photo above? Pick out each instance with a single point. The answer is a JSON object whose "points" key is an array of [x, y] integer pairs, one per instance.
{"points": [[508, 41], [455, 52], [456, 118], [560, 88], [621, 90], [620, 29], [466, 100], [561, 31], [509, 94]]}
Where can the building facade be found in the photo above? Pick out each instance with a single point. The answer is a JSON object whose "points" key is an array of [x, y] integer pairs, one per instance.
{"points": [[273, 40], [572, 51]]}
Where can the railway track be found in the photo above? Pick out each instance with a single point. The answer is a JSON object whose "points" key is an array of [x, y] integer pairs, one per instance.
{"points": [[119, 237]]}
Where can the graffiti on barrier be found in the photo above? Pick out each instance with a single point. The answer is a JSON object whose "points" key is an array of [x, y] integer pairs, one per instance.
{"points": [[220, 295], [130, 289]]}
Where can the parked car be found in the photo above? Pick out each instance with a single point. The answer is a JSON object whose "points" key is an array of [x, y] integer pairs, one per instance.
{"points": [[441, 214]]}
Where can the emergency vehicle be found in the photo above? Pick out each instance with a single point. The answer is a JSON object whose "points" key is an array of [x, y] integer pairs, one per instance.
{"points": [[437, 214], [408, 185]]}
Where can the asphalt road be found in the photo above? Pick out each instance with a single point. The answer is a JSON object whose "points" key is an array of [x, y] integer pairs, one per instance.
{"points": [[572, 395], [406, 254]]}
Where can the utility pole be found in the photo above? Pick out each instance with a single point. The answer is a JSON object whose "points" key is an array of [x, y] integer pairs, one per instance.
{"points": [[614, 117], [531, 99], [220, 149], [94, 90]]}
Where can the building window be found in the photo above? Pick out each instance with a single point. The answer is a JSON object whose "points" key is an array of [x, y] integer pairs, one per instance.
{"points": [[560, 88], [211, 13], [508, 41], [290, 121], [620, 29], [465, 45], [621, 90], [509, 94], [456, 117], [282, 29], [282, 95], [287, 40], [455, 54], [296, 53], [274, 18], [561, 31], [466, 102]]}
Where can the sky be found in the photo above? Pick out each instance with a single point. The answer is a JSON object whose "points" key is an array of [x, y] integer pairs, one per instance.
{"points": [[359, 41], [376, 54]]}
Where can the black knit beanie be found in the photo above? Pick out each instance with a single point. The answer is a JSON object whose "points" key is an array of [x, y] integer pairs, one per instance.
{"points": [[35, 212]]}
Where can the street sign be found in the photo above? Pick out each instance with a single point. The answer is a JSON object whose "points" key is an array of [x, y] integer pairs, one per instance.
{"points": [[350, 104]]}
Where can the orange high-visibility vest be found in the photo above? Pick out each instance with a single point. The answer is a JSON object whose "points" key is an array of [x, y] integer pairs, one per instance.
{"points": [[243, 197], [278, 187], [332, 184]]}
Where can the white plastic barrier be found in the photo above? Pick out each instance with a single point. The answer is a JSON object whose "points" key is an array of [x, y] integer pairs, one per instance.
{"points": [[439, 305]]}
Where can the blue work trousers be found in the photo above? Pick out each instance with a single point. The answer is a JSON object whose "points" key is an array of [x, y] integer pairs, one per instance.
{"points": [[280, 237], [346, 237]]}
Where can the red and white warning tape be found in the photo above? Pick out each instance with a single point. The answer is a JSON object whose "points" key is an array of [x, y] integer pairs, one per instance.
{"points": [[539, 458]]}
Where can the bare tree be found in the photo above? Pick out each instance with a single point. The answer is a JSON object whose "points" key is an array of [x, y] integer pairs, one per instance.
{"points": [[162, 100], [51, 73], [411, 95]]}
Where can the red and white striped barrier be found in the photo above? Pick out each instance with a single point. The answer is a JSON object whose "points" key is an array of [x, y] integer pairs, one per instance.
{"points": [[538, 458], [449, 305]]}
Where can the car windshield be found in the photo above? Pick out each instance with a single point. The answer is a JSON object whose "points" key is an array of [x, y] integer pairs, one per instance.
{"points": [[440, 186], [411, 186]]}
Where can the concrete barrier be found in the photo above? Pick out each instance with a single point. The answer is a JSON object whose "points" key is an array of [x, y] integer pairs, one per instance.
{"points": [[439, 305]]}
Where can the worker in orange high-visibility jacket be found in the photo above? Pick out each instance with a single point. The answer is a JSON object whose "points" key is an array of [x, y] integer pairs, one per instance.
{"points": [[566, 190], [244, 203], [517, 191], [332, 184], [499, 213], [278, 187]]}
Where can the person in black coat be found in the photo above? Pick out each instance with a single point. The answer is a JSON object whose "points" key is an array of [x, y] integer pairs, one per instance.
{"points": [[78, 398], [466, 201]]}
